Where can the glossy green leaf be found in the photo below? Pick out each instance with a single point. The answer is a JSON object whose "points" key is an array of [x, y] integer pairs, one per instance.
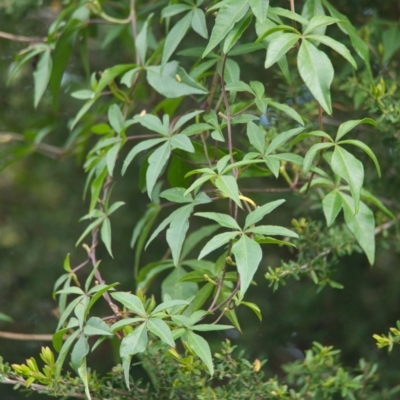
{"points": [[361, 224], [198, 22], [222, 219], [202, 349], [259, 9], [279, 46], [175, 36], [248, 255], [347, 126], [351, 170], [157, 161], [331, 204], [161, 329], [272, 230], [316, 70], [259, 213], [41, 76], [131, 302], [216, 242], [228, 186], [231, 12]]}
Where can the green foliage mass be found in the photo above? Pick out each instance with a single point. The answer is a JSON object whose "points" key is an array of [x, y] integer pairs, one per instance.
{"points": [[231, 118]]}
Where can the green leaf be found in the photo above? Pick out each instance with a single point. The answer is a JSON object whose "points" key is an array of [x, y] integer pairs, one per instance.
{"points": [[259, 9], [95, 189], [283, 12], [145, 145], [4, 317], [216, 242], [176, 289], [362, 225], [335, 45], [202, 349], [182, 120], [391, 42], [131, 302], [110, 74], [256, 136], [79, 352], [196, 237], [347, 126], [222, 219], [312, 152], [367, 149], [331, 204], [351, 170], [177, 232], [105, 233], [141, 41], [238, 86], [96, 326], [161, 329], [211, 327], [281, 139], [168, 304], [199, 24], [231, 12], [63, 353], [83, 110], [153, 123], [273, 164], [254, 307], [112, 155], [291, 112], [41, 76], [236, 33], [316, 70], [115, 117], [319, 21], [228, 186], [272, 230], [176, 195], [133, 343], [181, 141], [165, 82], [248, 255], [279, 46], [174, 9], [157, 161], [175, 36], [367, 196], [258, 214], [312, 8]]}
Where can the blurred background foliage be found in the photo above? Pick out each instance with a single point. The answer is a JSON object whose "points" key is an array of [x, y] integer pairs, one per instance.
{"points": [[41, 199]]}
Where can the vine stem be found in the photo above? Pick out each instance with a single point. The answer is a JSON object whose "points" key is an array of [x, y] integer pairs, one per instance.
{"points": [[19, 38]]}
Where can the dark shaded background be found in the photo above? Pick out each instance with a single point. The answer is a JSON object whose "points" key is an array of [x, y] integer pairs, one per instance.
{"points": [[41, 203]]}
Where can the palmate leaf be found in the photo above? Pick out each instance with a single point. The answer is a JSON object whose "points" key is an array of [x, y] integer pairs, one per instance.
{"points": [[161, 329], [258, 214], [248, 255], [199, 24], [141, 40], [347, 126], [235, 34], [316, 70], [228, 186], [41, 76], [230, 12], [319, 21], [279, 46], [216, 242], [312, 8], [256, 136], [222, 219]]}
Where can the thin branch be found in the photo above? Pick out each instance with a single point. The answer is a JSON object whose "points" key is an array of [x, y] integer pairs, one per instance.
{"points": [[44, 337], [26, 39], [386, 225]]}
